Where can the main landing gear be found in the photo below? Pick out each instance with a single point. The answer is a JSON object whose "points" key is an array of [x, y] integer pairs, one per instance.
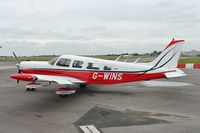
{"points": [[30, 89], [63, 92]]}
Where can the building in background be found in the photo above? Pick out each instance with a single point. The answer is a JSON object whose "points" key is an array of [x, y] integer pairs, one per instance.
{"points": [[191, 53]]}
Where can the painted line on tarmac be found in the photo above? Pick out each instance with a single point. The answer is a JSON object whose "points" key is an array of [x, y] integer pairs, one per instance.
{"points": [[89, 129], [164, 84], [7, 85], [7, 67]]}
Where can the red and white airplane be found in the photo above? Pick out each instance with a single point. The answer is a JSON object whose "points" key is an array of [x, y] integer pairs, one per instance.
{"points": [[70, 70]]}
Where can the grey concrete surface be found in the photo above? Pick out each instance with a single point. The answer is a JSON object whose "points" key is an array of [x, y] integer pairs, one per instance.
{"points": [[45, 112]]}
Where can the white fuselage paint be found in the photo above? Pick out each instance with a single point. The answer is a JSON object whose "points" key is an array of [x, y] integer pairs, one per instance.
{"points": [[116, 66]]}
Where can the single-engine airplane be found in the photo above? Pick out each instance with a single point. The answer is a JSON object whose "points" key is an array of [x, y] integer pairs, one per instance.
{"points": [[70, 70]]}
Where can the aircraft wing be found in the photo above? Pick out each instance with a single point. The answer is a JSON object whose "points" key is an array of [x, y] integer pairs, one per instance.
{"points": [[47, 78], [58, 79]]}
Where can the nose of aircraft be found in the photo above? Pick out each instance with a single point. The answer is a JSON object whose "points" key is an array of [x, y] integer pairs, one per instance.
{"points": [[24, 77]]}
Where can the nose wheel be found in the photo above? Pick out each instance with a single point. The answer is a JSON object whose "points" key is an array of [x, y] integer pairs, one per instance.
{"points": [[30, 89]]}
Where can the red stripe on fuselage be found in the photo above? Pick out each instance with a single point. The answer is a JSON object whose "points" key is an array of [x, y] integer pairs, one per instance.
{"points": [[98, 77]]}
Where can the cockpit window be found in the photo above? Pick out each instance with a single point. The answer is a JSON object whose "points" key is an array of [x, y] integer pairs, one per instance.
{"points": [[77, 64], [64, 62], [92, 66], [53, 61]]}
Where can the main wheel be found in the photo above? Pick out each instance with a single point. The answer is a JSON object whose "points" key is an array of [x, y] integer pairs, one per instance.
{"points": [[63, 95], [33, 89], [30, 89]]}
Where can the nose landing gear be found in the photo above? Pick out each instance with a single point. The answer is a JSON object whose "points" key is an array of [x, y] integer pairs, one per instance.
{"points": [[32, 86]]}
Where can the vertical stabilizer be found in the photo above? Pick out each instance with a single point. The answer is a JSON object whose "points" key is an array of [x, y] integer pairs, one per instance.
{"points": [[170, 55]]}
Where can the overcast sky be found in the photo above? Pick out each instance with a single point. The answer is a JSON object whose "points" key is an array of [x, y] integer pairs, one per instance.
{"points": [[36, 27]]}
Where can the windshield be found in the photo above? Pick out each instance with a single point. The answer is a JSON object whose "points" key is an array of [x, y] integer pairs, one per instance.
{"points": [[53, 61], [64, 62]]}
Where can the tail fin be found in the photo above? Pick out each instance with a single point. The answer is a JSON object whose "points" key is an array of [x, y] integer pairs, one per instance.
{"points": [[170, 55]]}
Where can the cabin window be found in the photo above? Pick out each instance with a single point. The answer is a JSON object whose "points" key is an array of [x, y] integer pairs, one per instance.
{"points": [[53, 61], [107, 68], [64, 62], [92, 66], [77, 64]]}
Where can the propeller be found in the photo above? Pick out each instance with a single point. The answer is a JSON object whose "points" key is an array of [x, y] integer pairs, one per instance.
{"points": [[18, 63], [15, 56]]}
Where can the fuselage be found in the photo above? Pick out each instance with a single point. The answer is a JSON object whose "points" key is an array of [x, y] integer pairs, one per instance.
{"points": [[92, 70]]}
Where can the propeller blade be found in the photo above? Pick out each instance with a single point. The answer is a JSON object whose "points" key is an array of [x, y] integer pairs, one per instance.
{"points": [[18, 62], [15, 56], [19, 71]]}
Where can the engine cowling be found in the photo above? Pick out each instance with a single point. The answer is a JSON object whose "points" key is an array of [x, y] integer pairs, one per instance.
{"points": [[24, 77]]}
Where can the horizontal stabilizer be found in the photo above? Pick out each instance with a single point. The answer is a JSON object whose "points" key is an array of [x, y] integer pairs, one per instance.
{"points": [[174, 74]]}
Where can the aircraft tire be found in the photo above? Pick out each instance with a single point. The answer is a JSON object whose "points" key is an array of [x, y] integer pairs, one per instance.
{"points": [[63, 95]]}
